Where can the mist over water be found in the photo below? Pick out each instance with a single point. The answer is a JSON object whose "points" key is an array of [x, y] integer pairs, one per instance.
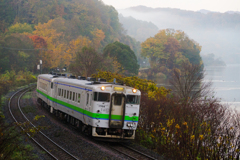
{"points": [[226, 83], [217, 33]]}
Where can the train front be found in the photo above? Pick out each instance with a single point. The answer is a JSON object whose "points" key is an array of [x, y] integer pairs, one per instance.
{"points": [[117, 111]]}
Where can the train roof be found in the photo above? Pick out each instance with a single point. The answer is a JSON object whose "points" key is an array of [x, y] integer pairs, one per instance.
{"points": [[47, 76], [79, 82]]}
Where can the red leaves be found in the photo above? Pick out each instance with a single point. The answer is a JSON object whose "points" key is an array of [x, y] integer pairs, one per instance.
{"points": [[39, 42]]}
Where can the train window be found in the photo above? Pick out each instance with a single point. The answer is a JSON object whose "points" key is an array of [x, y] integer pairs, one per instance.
{"points": [[118, 100], [59, 91], [79, 97], [73, 96], [90, 99], [67, 94], [70, 96], [51, 84], [87, 98], [64, 93], [99, 96], [133, 99]]}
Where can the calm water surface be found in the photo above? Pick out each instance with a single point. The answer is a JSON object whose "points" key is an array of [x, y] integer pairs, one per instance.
{"points": [[226, 83]]}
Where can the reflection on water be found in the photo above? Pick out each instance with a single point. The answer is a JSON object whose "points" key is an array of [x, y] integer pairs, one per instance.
{"points": [[226, 83]]}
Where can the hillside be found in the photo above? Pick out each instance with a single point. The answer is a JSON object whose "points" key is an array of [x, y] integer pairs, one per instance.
{"points": [[60, 28], [216, 32], [140, 30]]}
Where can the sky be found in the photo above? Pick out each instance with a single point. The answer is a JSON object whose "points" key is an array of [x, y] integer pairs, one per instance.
{"points": [[193, 5]]}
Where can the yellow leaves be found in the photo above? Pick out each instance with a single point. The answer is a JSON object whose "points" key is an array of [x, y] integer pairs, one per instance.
{"points": [[75, 46], [37, 117], [204, 124], [201, 137], [192, 137], [177, 126], [20, 28], [170, 122], [117, 67], [138, 83], [54, 42], [99, 35], [155, 92]]}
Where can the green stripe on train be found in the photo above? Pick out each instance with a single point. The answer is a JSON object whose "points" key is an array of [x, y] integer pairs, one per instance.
{"points": [[88, 113]]}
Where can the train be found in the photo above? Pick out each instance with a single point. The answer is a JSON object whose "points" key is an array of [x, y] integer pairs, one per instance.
{"points": [[100, 109]]}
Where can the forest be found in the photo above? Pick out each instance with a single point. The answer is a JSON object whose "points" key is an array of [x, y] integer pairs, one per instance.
{"points": [[54, 31]]}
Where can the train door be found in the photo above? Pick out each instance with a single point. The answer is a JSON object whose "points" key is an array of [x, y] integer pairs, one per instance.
{"points": [[87, 108], [55, 93], [117, 111]]}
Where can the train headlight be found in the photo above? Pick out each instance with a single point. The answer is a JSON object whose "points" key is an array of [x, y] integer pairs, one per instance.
{"points": [[130, 124], [103, 88], [134, 90]]}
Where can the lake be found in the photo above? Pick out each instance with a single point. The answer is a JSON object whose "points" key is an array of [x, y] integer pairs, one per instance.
{"points": [[226, 83]]}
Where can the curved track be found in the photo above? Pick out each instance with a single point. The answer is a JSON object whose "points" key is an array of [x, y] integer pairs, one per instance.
{"points": [[131, 153], [50, 147]]}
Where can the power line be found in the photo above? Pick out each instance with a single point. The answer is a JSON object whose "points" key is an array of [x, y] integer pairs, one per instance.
{"points": [[23, 48], [26, 49]]}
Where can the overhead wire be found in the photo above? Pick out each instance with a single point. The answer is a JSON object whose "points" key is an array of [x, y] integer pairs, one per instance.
{"points": [[27, 49]]}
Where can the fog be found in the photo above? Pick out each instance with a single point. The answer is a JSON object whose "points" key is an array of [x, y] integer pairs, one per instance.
{"points": [[218, 34]]}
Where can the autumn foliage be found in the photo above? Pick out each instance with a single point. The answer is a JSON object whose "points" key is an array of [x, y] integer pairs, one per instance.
{"points": [[189, 123], [58, 31], [168, 49]]}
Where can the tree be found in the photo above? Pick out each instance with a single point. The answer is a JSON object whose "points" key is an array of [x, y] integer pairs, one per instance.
{"points": [[87, 62], [168, 49], [98, 37], [124, 55], [75, 46], [20, 28], [41, 52], [55, 42], [18, 53], [188, 83]]}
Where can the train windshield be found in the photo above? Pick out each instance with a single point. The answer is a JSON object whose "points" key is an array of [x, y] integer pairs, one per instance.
{"points": [[103, 97], [132, 99]]}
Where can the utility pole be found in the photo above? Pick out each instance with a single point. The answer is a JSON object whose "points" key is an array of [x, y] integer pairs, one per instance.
{"points": [[41, 65]]}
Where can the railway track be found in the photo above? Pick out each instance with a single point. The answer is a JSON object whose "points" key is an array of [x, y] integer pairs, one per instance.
{"points": [[44, 142], [131, 153]]}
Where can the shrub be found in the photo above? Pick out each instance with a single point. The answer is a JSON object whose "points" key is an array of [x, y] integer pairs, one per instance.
{"points": [[160, 75]]}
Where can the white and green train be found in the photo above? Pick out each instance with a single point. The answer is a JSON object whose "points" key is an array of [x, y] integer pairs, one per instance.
{"points": [[98, 108]]}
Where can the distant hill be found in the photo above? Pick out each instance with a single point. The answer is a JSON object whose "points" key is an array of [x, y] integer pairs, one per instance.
{"points": [[204, 11], [207, 11], [140, 30], [233, 12], [216, 32]]}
